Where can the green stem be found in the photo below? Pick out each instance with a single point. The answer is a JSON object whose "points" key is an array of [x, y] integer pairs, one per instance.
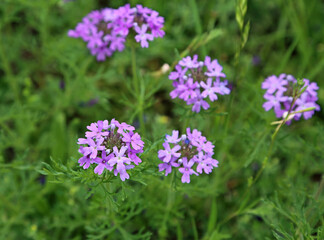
{"points": [[228, 218], [196, 17], [194, 227], [186, 122], [273, 137], [141, 119], [135, 78], [170, 201], [266, 159], [139, 91]]}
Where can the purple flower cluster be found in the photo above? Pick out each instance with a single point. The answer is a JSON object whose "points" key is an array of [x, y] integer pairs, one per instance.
{"points": [[194, 81], [105, 30], [111, 146], [279, 96], [183, 152]]}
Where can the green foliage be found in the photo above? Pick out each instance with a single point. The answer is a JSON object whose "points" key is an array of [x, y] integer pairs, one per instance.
{"points": [[51, 88]]}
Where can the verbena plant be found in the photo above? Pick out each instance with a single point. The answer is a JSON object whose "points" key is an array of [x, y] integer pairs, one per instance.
{"points": [[133, 174]]}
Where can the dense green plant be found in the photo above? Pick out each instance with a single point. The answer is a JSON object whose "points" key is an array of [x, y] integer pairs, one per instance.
{"points": [[51, 88]]}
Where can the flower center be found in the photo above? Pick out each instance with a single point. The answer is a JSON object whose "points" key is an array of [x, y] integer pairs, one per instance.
{"points": [[187, 150], [102, 26], [290, 90], [139, 19], [112, 140], [198, 75]]}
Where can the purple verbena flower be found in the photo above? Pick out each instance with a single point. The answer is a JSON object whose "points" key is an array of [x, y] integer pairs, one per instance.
{"points": [[106, 30], [274, 101], [174, 138], [113, 147], [210, 90], [304, 102], [142, 35], [188, 62], [205, 163], [280, 96], [168, 153], [221, 87], [274, 83], [198, 102], [134, 140], [168, 166], [178, 74], [94, 145], [96, 129], [194, 81], [119, 160], [103, 163], [189, 152], [122, 127], [186, 170], [214, 69], [84, 161]]}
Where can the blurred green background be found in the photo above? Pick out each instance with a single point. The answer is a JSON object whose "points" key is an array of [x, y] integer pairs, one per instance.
{"points": [[51, 88]]}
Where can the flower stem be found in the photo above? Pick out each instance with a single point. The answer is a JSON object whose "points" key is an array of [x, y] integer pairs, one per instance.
{"points": [[170, 200], [196, 19], [139, 91], [141, 118], [134, 72], [266, 159], [273, 137], [186, 122]]}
